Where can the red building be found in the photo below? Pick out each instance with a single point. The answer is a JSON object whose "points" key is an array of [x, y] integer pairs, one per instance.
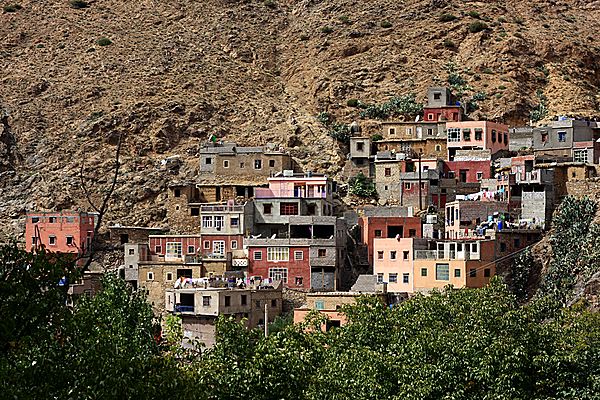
{"points": [[62, 232], [372, 227], [447, 113], [289, 264], [468, 171], [220, 245], [174, 248]]}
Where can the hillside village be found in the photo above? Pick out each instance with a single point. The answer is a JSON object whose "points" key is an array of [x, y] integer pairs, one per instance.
{"points": [[440, 200]]}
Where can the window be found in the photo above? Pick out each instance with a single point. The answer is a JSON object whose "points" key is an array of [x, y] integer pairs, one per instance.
{"points": [[206, 301], [479, 175], [457, 273], [478, 133], [206, 245], [442, 272], [207, 221], [393, 278], [219, 221], [52, 242], [278, 254], [298, 281], [454, 134], [258, 255], [580, 156], [150, 276], [273, 302], [35, 220], [487, 272], [505, 138], [474, 248], [499, 137], [437, 95], [430, 117], [405, 255], [131, 251], [208, 161], [380, 255], [412, 232], [257, 304], [438, 147], [195, 211], [422, 185], [272, 163], [408, 131], [234, 221], [472, 273], [225, 163], [288, 209], [467, 135], [244, 299], [544, 136], [177, 193], [405, 278], [234, 244], [493, 136], [278, 274], [392, 131], [219, 247], [407, 185], [517, 242], [227, 301], [158, 249], [379, 278], [392, 255], [377, 232], [70, 241], [169, 276], [173, 250], [360, 146], [242, 165], [52, 220], [298, 255], [319, 305], [562, 136], [321, 253], [257, 164], [388, 172], [191, 249], [311, 209], [423, 271], [267, 208], [503, 247]]}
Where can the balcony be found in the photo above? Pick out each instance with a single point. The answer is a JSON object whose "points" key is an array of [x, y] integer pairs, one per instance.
{"points": [[220, 208], [289, 242], [184, 309], [445, 255], [264, 193]]}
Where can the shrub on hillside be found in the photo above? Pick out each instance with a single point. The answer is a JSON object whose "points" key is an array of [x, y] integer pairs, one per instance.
{"points": [[477, 26]]}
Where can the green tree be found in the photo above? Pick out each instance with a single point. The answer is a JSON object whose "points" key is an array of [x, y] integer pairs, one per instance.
{"points": [[362, 186]]}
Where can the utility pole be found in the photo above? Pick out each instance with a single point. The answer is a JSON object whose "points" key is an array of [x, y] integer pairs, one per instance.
{"points": [[266, 319], [420, 191]]}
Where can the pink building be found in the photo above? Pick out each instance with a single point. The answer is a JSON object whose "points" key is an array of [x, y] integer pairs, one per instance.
{"points": [[175, 248], [393, 263], [476, 135], [61, 232], [297, 185]]}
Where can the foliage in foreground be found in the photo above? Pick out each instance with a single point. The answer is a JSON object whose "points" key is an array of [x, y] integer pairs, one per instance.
{"points": [[453, 344], [362, 186]]}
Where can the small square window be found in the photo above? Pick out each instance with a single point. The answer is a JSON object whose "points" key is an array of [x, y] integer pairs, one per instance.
{"points": [[52, 240], [206, 244], [393, 278], [191, 249], [392, 255], [487, 273], [562, 136], [298, 255], [274, 303], [380, 255], [225, 163], [234, 244], [208, 161], [271, 163], [267, 208], [242, 165], [405, 277], [412, 233], [70, 241], [52, 220], [405, 254], [150, 276], [377, 232], [227, 301], [457, 273], [388, 172], [169, 276], [235, 222], [423, 271], [298, 280], [379, 278], [158, 249], [257, 164], [244, 299], [322, 252], [177, 193], [472, 273], [206, 301], [131, 252], [407, 185], [258, 255], [195, 211]]}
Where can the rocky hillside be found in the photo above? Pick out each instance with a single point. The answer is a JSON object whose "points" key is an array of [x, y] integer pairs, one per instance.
{"points": [[166, 74]]}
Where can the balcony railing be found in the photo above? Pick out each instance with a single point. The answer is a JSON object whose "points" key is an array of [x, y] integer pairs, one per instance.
{"points": [[222, 208], [186, 309]]}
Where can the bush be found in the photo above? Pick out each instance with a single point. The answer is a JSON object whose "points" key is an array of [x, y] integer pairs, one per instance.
{"points": [[327, 29], [304, 37], [344, 19], [376, 137], [103, 41], [477, 26], [352, 102], [10, 8], [400, 105], [540, 111], [270, 4], [386, 24], [325, 118], [449, 44], [447, 17], [519, 20], [473, 14], [78, 4], [340, 132], [362, 186]]}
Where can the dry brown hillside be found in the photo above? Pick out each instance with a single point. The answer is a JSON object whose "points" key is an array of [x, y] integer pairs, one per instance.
{"points": [[252, 71]]}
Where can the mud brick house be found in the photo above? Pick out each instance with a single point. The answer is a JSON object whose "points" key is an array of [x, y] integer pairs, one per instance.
{"points": [[360, 158], [397, 180], [60, 232], [568, 140], [413, 138], [120, 235], [476, 135], [199, 307]]}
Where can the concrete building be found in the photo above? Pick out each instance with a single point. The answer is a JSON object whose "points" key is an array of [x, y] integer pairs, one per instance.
{"points": [[60, 232], [309, 255], [521, 138], [199, 307], [462, 264], [464, 216], [441, 105], [393, 262], [360, 157], [568, 140], [476, 135]]}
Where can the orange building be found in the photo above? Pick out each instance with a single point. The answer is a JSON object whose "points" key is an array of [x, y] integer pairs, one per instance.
{"points": [[61, 232]]}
